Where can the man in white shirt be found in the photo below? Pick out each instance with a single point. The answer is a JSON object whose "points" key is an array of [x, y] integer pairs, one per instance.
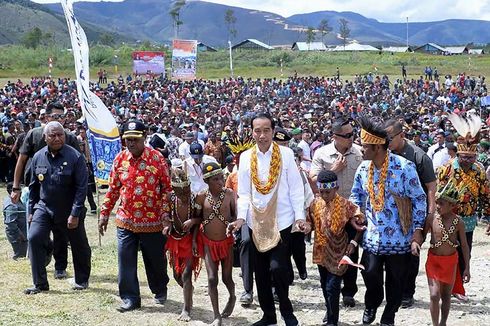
{"points": [[270, 215], [304, 144], [184, 148], [194, 164], [438, 152]]}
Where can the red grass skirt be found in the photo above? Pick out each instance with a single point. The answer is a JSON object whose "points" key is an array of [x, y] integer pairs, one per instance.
{"points": [[445, 269], [180, 252], [219, 250]]}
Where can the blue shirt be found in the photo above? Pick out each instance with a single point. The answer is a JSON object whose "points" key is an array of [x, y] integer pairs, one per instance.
{"points": [[384, 234]]}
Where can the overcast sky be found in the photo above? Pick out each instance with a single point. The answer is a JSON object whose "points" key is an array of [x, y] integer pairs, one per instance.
{"points": [[382, 10]]}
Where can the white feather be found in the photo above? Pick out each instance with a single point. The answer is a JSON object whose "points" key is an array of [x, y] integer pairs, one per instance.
{"points": [[474, 122], [460, 124]]}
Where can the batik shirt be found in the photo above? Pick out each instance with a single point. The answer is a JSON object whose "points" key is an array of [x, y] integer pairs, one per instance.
{"points": [[475, 195], [384, 234], [142, 183]]}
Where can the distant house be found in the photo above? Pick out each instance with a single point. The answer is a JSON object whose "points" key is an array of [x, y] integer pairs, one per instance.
{"points": [[355, 47], [251, 44], [398, 49], [476, 51], [456, 50], [431, 48], [201, 47], [313, 46]]}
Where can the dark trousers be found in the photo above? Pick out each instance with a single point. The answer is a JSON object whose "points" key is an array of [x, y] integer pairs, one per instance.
{"points": [[395, 267], [331, 292], [60, 249], [412, 272], [350, 277], [42, 223], [246, 261], [298, 249], [274, 264], [469, 239], [152, 248]]}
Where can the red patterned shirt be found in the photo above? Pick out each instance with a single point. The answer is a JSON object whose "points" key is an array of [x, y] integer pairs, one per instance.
{"points": [[142, 183]]}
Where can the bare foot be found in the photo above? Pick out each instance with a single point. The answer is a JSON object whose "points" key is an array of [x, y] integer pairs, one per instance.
{"points": [[216, 322], [184, 316], [229, 307]]}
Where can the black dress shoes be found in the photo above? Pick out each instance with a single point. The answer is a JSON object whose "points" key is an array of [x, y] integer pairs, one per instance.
{"points": [[265, 322], [129, 305], [369, 316], [36, 289], [161, 298]]}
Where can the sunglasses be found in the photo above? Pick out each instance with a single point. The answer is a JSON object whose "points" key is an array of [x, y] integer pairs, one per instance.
{"points": [[57, 116], [346, 136]]}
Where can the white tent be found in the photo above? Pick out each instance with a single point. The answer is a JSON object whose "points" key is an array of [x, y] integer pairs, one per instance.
{"points": [[313, 46]]}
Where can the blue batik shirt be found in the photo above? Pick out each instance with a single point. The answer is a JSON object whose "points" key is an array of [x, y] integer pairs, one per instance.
{"points": [[384, 234]]}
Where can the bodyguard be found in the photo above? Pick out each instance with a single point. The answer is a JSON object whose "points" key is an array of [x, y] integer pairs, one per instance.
{"points": [[56, 199], [140, 177]]}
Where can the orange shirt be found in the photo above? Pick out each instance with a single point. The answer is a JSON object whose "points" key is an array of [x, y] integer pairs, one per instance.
{"points": [[142, 183], [232, 181]]}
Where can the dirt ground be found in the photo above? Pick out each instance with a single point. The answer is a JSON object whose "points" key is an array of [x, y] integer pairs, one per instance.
{"points": [[96, 306]]}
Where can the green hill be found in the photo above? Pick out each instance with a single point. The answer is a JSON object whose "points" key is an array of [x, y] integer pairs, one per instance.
{"points": [[20, 16]]}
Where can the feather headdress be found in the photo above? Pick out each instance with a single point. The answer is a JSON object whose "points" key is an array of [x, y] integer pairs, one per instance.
{"points": [[469, 128], [239, 144]]}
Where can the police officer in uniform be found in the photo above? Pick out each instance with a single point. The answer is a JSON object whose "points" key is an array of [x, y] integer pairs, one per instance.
{"points": [[56, 201]]}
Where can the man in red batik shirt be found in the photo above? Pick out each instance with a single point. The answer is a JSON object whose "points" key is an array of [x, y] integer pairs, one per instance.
{"points": [[140, 178]]}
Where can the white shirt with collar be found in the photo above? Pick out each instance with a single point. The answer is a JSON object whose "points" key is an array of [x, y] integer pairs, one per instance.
{"points": [[290, 196], [439, 157], [194, 173]]}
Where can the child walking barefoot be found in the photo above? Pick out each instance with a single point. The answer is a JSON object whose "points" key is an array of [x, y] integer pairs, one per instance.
{"points": [[447, 232], [219, 209]]}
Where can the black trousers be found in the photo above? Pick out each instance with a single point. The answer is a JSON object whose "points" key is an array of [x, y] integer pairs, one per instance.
{"points": [[60, 249], [331, 292], [350, 277], [298, 249], [274, 264], [412, 272], [152, 248], [395, 267], [246, 261], [42, 224]]}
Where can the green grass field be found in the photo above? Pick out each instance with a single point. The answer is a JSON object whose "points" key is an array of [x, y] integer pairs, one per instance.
{"points": [[19, 62]]}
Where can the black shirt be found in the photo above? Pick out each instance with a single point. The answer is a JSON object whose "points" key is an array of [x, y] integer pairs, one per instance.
{"points": [[59, 183], [423, 163]]}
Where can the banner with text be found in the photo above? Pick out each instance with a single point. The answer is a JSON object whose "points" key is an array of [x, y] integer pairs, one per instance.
{"points": [[104, 141], [145, 62], [184, 56]]}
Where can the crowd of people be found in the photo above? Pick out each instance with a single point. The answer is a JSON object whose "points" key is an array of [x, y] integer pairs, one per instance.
{"points": [[210, 168]]}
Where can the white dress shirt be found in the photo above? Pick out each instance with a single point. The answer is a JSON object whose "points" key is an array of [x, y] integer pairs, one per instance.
{"points": [[306, 154], [194, 173], [290, 196]]}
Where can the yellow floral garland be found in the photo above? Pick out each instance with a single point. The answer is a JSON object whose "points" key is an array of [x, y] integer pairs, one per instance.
{"points": [[274, 170], [378, 202]]}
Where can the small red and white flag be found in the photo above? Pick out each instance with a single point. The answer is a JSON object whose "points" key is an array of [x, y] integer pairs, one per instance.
{"points": [[347, 261]]}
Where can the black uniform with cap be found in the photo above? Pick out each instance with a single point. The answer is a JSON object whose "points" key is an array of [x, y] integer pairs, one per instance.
{"points": [[57, 190]]}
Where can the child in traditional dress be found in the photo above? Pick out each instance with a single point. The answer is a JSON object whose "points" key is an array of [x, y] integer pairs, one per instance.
{"points": [[219, 209], [328, 215], [182, 230], [446, 229]]}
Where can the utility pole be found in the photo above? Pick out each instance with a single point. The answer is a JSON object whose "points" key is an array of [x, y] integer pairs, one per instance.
{"points": [[231, 59], [407, 32]]}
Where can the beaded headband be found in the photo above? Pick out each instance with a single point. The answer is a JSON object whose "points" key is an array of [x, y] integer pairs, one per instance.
{"points": [[327, 185], [370, 139], [210, 172]]}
